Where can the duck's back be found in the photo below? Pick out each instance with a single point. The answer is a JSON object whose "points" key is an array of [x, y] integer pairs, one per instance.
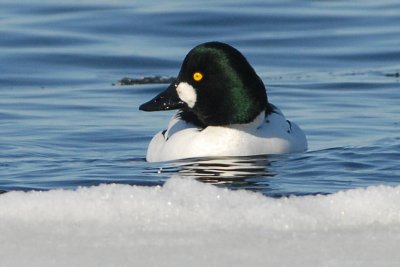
{"points": [[271, 134]]}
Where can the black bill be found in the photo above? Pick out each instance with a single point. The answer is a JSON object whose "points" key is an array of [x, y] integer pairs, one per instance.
{"points": [[166, 100]]}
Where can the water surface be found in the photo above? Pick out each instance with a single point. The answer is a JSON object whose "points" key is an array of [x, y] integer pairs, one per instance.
{"points": [[331, 66]]}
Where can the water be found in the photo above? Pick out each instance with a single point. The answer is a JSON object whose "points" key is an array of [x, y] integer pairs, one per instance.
{"points": [[65, 123], [331, 66]]}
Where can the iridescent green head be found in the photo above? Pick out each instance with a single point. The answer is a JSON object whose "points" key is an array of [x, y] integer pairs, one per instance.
{"points": [[217, 84]]}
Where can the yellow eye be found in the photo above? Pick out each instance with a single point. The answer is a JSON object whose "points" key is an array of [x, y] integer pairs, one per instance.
{"points": [[197, 76]]}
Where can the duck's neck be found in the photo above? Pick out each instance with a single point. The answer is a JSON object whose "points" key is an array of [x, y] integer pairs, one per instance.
{"points": [[190, 117]]}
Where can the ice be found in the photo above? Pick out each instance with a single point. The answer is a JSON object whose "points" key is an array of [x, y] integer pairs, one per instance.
{"points": [[188, 223]]}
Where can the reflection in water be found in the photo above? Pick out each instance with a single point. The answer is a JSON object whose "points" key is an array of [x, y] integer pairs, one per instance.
{"points": [[234, 172]]}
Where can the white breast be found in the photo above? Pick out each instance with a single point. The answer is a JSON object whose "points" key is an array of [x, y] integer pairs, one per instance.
{"points": [[270, 135]]}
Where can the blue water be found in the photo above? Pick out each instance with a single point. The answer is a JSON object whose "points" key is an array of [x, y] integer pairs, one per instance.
{"points": [[331, 66]]}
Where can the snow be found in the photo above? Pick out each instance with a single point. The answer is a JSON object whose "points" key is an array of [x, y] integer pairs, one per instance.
{"points": [[188, 223]]}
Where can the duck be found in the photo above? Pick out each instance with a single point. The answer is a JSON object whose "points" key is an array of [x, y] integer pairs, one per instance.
{"points": [[222, 111]]}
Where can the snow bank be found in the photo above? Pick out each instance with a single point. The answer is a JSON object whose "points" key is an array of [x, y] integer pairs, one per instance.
{"points": [[188, 223]]}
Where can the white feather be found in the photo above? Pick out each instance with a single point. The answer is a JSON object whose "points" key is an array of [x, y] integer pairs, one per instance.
{"points": [[187, 93], [270, 135]]}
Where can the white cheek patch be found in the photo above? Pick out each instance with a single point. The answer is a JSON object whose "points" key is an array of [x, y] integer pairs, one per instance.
{"points": [[187, 94]]}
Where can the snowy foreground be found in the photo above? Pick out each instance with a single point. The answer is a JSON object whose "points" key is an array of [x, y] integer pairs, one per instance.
{"points": [[187, 223]]}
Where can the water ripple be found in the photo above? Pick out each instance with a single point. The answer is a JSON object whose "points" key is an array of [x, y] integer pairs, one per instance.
{"points": [[331, 66]]}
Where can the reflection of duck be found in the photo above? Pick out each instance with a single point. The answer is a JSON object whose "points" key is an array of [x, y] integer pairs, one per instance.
{"points": [[224, 111], [244, 172]]}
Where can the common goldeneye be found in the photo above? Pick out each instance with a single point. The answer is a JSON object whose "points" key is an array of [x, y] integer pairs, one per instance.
{"points": [[223, 110]]}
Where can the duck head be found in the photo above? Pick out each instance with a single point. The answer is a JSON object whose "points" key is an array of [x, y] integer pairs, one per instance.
{"points": [[217, 84]]}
